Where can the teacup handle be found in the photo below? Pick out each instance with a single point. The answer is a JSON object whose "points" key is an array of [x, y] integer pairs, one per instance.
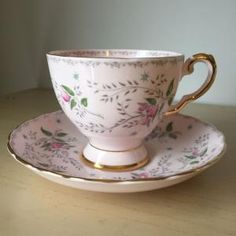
{"points": [[188, 68]]}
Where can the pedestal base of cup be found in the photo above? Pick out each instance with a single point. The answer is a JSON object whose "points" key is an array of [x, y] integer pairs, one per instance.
{"points": [[126, 160]]}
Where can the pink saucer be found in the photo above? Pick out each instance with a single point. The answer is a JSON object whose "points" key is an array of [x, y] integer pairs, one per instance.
{"points": [[179, 148]]}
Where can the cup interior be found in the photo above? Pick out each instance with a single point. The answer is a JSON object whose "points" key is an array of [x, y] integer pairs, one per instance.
{"points": [[114, 53]]}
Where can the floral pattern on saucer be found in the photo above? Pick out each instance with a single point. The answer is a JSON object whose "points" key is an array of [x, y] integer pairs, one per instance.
{"points": [[180, 144]]}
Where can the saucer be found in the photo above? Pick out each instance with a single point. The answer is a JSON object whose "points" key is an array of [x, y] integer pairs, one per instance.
{"points": [[179, 148]]}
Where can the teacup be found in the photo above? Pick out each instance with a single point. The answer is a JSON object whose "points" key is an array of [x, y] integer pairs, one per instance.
{"points": [[117, 97]]}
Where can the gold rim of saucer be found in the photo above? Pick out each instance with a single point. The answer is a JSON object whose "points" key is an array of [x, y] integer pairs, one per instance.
{"points": [[120, 168]]}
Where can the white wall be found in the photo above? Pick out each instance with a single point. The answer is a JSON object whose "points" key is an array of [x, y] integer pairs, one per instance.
{"points": [[33, 27]]}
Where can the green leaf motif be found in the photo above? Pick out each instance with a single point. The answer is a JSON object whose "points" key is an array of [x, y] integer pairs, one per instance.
{"points": [[203, 153], [144, 76], [151, 101], [76, 76], [190, 157], [61, 134], [84, 102], [194, 162], [169, 127], [72, 104], [45, 145], [68, 90], [59, 140], [170, 88], [46, 132]]}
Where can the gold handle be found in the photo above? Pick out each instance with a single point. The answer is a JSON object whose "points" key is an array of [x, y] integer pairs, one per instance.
{"points": [[188, 69]]}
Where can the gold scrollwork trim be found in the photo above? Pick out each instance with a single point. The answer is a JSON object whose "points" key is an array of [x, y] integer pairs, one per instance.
{"points": [[188, 65]]}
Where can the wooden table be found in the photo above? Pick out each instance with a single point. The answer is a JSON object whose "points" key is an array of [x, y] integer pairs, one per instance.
{"points": [[31, 205]]}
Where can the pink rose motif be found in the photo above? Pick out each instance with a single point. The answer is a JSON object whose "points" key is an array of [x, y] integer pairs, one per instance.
{"points": [[148, 112], [152, 111], [143, 175], [66, 97], [195, 151], [56, 145], [143, 106]]}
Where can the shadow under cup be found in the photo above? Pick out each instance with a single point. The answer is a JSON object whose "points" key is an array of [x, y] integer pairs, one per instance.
{"points": [[117, 97]]}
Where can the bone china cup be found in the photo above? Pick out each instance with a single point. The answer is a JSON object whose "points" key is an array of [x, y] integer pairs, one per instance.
{"points": [[117, 97]]}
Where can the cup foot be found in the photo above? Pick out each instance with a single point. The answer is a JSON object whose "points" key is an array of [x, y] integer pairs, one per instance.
{"points": [[126, 160]]}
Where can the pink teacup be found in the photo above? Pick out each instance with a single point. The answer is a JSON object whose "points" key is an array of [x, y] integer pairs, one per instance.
{"points": [[117, 97]]}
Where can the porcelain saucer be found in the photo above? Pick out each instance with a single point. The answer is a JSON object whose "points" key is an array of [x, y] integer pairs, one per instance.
{"points": [[179, 148]]}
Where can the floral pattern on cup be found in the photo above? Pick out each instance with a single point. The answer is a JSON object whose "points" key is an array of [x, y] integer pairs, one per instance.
{"points": [[179, 144], [148, 112], [120, 94], [69, 95]]}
